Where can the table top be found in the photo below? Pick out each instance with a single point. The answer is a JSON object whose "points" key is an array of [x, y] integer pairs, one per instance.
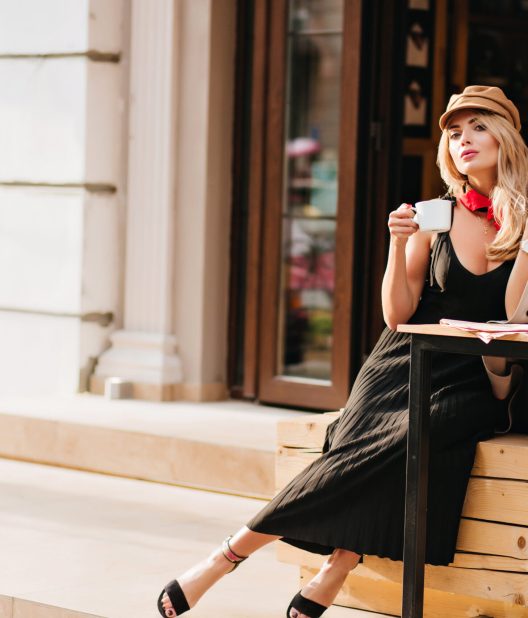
{"points": [[451, 331]]}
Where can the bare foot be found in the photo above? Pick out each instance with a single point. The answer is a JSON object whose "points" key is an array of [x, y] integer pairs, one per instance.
{"points": [[198, 579], [324, 587]]}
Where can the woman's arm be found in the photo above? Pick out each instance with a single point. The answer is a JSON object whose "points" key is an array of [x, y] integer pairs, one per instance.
{"points": [[518, 279], [406, 267], [499, 373]]}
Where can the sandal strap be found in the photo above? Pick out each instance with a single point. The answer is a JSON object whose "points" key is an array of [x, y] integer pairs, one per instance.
{"points": [[177, 598], [230, 555], [306, 606]]}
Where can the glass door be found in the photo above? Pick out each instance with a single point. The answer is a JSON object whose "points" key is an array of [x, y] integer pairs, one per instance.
{"points": [[323, 130], [309, 202]]}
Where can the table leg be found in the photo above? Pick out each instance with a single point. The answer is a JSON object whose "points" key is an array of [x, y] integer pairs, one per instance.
{"points": [[417, 476]]}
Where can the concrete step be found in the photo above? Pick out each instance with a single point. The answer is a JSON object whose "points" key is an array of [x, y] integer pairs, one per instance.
{"points": [[11, 607], [226, 446], [78, 545]]}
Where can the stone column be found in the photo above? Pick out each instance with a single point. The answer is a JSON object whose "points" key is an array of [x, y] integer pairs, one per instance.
{"points": [[144, 352]]}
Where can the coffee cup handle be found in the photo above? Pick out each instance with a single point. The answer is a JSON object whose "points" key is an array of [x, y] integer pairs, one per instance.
{"points": [[415, 218]]}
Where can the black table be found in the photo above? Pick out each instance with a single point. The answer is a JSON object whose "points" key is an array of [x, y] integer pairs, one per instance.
{"points": [[425, 339]]}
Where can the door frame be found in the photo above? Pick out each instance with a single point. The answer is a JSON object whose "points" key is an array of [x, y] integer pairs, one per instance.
{"points": [[370, 149], [273, 387]]}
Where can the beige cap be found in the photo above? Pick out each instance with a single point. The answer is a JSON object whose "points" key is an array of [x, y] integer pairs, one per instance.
{"points": [[489, 98]]}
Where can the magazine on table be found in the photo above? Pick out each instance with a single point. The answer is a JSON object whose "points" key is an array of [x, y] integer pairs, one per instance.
{"points": [[516, 325]]}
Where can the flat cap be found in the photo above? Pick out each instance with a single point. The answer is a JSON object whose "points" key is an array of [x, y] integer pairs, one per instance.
{"points": [[489, 98]]}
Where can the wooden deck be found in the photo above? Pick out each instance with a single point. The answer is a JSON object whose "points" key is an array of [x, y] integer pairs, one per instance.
{"points": [[489, 575]]}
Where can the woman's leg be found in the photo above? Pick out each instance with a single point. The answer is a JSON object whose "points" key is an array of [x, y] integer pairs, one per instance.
{"points": [[198, 579], [324, 587]]}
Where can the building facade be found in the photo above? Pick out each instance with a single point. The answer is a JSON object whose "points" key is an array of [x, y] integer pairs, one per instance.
{"points": [[116, 195], [194, 192]]}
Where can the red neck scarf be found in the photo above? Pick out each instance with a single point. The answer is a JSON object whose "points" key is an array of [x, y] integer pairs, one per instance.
{"points": [[476, 202]]}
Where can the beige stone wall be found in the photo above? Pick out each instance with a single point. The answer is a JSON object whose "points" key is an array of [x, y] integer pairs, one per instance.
{"points": [[173, 342], [204, 194], [61, 120], [115, 179]]}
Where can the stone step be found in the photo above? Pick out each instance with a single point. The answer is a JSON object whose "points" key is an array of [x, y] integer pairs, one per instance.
{"points": [[78, 545], [11, 607], [226, 446]]}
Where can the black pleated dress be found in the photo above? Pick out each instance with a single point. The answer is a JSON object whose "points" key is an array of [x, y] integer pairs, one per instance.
{"points": [[353, 496]]}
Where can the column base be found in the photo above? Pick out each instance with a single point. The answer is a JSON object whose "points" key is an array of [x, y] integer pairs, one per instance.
{"points": [[148, 360], [146, 392], [167, 392]]}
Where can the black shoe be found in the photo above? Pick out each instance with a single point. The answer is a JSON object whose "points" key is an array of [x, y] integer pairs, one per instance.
{"points": [[305, 606], [175, 593], [177, 598]]}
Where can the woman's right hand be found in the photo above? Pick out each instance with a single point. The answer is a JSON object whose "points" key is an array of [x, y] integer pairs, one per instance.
{"points": [[401, 224]]}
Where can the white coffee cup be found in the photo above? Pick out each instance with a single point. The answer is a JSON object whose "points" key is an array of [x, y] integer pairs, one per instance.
{"points": [[433, 215]]}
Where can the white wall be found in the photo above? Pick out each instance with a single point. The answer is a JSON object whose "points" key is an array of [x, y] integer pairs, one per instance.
{"points": [[61, 179], [60, 26]]}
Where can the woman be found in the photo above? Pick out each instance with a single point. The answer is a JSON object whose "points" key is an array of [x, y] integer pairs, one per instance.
{"points": [[351, 500]]}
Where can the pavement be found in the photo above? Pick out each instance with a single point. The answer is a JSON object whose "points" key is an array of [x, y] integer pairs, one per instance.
{"points": [[75, 542]]}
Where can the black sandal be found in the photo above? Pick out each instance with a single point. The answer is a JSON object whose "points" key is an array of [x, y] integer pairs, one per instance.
{"points": [[175, 593], [305, 606], [177, 598]]}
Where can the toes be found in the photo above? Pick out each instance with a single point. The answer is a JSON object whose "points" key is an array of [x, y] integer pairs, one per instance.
{"points": [[167, 606], [169, 612], [294, 613]]}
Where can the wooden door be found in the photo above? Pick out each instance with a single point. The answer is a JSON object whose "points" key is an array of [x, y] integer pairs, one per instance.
{"points": [[310, 178], [324, 129]]}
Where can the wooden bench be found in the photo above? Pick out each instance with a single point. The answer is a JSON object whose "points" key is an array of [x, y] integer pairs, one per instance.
{"points": [[489, 575]]}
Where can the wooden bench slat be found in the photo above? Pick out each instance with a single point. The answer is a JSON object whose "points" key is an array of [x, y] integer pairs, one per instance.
{"points": [[497, 500], [496, 585], [485, 537], [385, 597], [501, 457], [308, 431], [480, 545], [290, 462], [492, 563], [504, 457]]}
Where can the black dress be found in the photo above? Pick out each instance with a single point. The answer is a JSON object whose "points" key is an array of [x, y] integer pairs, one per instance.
{"points": [[353, 496]]}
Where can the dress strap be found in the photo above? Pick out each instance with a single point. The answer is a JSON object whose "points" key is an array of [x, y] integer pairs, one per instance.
{"points": [[451, 198]]}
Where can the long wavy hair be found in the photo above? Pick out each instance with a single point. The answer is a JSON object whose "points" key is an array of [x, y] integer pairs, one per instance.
{"points": [[509, 196]]}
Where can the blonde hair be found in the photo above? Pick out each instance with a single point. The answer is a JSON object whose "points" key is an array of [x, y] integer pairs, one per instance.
{"points": [[509, 196]]}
